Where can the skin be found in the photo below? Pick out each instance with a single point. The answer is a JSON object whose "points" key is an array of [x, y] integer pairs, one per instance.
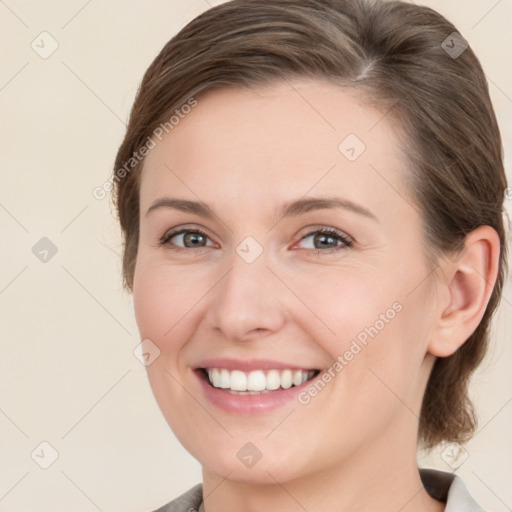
{"points": [[245, 153]]}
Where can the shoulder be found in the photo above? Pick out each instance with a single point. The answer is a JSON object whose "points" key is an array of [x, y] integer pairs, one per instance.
{"points": [[189, 501], [443, 486], [449, 488]]}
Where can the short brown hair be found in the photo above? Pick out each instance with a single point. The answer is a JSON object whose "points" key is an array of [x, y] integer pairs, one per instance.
{"points": [[393, 54]]}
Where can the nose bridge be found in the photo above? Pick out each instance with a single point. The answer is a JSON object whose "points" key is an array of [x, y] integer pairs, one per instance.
{"points": [[246, 300]]}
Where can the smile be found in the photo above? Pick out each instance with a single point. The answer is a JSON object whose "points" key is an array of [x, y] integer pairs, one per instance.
{"points": [[257, 381]]}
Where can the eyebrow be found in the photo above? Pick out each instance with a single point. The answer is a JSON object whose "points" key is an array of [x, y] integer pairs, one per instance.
{"points": [[182, 205], [305, 205], [290, 209]]}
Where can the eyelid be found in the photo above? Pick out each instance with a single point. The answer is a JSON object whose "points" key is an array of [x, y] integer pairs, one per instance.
{"points": [[346, 241], [344, 237], [171, 233]]}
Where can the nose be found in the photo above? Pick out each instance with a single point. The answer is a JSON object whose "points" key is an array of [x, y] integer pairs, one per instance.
{"points": [[246, 303]]}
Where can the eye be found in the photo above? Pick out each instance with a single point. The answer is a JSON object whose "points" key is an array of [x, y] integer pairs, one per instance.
{"points": [[326, 240], [322, 240], [185, 238]]}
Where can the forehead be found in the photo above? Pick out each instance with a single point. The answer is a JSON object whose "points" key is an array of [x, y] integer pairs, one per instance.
{"points": [[282, 139]]}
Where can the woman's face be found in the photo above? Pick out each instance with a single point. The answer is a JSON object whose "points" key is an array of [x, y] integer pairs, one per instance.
{"points": [[310, 258]]}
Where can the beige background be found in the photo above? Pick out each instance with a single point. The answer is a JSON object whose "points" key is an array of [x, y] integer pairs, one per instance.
{"points": [[68, 376]]}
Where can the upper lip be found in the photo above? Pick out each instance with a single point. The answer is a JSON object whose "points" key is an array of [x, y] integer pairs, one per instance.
{"points": [[248, 365]]}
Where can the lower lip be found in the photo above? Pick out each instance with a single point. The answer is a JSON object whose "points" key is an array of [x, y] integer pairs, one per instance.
{"points": [[248, 405]]}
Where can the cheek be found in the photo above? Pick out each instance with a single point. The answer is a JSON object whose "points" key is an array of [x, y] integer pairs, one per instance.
{"points": [[375, 324], [151, 303], [161, 301], [163, 295], [343, 305]]}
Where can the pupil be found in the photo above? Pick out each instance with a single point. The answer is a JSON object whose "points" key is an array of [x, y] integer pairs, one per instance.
{"points": [[192, 238], [330, 239]]}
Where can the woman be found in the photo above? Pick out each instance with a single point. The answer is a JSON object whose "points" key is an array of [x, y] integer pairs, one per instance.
{"points": [[311, 197]]}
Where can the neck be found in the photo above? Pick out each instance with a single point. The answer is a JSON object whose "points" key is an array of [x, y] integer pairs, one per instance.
{"points": [[381, 477]]}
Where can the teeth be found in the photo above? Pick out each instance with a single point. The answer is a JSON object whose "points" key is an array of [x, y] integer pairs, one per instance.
{"points": [[238, 381], [286, 379], [224, 379], [257, 380], [273, 380]]}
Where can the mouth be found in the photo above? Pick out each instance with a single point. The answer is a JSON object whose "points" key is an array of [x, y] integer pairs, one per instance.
{"points": [[256, 382]]}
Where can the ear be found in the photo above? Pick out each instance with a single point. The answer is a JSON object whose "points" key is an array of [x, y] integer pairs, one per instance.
{"points": [[464, 290]]}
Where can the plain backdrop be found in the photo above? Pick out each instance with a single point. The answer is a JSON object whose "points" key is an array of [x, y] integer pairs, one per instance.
{"points": [[73, 396]]}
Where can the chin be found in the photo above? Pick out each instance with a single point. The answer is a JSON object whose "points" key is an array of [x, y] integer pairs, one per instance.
{"points": [[262, 473]]}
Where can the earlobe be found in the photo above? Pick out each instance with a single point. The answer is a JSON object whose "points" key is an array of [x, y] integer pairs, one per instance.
{"points": [[468, 281]]}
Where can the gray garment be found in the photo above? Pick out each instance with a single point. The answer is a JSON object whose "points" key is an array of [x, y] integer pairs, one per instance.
{"points": [[446, 487]]}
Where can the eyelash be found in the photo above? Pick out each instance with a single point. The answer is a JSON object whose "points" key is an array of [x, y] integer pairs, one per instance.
{"points": [[345, 241], [167, 237]]}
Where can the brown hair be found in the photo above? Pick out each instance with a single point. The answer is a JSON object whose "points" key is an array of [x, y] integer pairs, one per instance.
{"points": [[393, 54]]}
